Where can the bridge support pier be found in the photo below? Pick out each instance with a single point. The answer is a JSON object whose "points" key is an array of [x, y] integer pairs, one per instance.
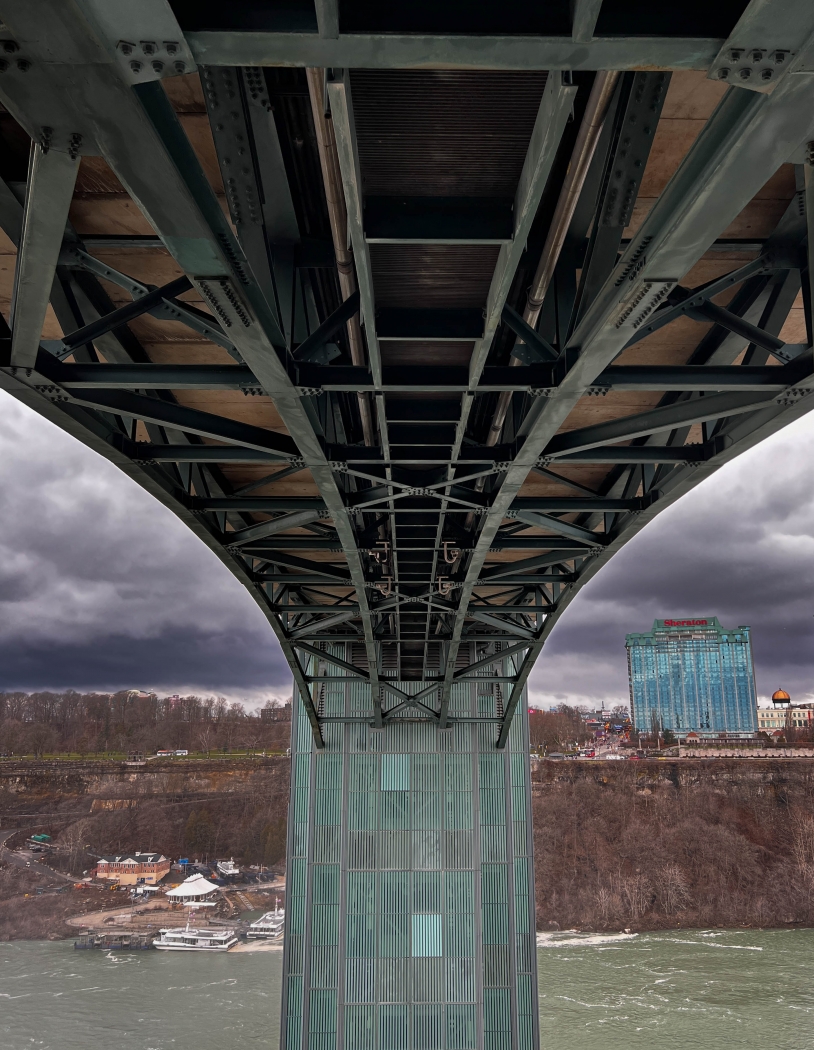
{"points": [[410, 891]]}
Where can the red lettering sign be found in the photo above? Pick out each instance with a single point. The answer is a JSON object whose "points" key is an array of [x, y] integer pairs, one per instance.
{"points": [[685, 623]]}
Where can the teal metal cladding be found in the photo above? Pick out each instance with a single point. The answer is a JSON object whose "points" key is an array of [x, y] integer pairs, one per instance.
{"points": [[410, 912]]}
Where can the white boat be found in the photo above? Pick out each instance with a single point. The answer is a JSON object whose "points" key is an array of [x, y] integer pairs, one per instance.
{"points": [[227, 868], [190, 939], [269, 925]]}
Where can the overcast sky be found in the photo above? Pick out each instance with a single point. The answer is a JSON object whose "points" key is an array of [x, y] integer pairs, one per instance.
{"points": [[102, 588]]}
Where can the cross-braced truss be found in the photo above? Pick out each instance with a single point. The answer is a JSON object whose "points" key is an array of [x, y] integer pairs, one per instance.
{"points": [[411, 349]]}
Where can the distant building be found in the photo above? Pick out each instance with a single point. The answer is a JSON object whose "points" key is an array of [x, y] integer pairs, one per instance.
{"points": [[796, 716], [693, 676], [132, 868]]}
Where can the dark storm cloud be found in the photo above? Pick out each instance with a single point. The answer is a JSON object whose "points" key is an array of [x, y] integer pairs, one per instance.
{"points": [[101, 587], [740, 547], [233, 663]]}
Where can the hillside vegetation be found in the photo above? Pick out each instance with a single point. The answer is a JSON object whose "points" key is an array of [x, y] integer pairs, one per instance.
{"points": [[659, 844]]}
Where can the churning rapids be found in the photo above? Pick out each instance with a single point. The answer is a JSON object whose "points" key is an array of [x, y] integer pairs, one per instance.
{"points": [[705, 989]]}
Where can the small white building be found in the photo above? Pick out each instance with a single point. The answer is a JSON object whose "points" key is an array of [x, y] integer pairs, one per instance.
{"points": [[195, 888], [801, 716]]}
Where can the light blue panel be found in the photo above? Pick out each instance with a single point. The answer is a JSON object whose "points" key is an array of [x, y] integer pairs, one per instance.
{"points": [[395, 772], [427, 935]]}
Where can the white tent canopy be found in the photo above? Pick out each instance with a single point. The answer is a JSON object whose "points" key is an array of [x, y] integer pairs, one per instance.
{"points": [[194, 886]]}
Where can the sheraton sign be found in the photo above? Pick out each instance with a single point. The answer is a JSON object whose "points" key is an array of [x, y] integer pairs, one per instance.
{"points": [[685, 623]]}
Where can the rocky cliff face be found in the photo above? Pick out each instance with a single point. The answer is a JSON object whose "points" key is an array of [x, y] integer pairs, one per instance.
{"points": [[669, 844], [199, 809]]}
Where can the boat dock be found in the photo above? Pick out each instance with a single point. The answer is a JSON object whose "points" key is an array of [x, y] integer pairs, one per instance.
{"points": [[127, 942]]}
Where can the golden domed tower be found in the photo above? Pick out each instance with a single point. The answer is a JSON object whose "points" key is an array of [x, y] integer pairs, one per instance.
{"points": [[780, 698]]}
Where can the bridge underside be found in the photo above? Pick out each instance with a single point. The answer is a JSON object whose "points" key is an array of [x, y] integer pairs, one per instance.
{"points": [[414, 314]]}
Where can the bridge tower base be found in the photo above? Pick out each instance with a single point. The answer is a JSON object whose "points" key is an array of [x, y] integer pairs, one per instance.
{"points": [[410, 888]]}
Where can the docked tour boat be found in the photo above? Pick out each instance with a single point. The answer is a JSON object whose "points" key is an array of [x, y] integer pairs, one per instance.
{"points": [[269, 925], [191, 938]]}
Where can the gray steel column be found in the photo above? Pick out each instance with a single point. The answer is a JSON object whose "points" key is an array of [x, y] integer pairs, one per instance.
{"points": [[51, 180]]}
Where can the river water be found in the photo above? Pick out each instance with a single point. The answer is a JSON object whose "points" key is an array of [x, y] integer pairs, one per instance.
{"points": [[704, 990]]}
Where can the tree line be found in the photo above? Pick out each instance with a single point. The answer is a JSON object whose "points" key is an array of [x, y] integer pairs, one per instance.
{"points": [[558, 729], [71, 722]]}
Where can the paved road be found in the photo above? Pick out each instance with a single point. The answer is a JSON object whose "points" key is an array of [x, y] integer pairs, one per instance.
{"points": [[24, 862]]}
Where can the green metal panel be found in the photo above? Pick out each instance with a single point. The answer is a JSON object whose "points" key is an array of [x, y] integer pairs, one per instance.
{"points": [[359, 1027], [393, 1028]]}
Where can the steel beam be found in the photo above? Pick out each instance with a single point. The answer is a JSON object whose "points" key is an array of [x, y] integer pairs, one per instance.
{"points": [[763, 45], [269, 528], [543, 561], [657, 421], [394, 51], [584, 15], [564, 528], [145, 376], [50, 186], [190, 420], [680, 454]]}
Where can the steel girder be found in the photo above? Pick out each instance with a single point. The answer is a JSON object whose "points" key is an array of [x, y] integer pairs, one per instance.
{"points": [[712, 184], [428, 499]]}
